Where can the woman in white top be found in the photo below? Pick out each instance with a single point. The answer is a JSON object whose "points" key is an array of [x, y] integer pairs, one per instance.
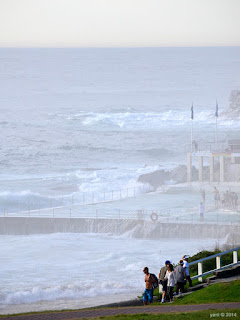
{"points": [[170, 277]]}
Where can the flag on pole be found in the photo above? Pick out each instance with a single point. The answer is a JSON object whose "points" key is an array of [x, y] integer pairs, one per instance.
{"points": [[216, 112], [192, 115]]}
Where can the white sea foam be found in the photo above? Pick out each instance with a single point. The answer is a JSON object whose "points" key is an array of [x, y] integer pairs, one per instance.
{"points": [[66, 267], [120, 114], [144, 120], [86, 289]]}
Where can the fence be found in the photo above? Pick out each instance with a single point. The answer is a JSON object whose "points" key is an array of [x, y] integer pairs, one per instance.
{"points": [[168, 215], [207, 147], [39, 203], [219, 266]]}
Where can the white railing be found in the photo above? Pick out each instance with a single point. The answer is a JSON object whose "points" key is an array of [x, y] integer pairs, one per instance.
{"points": [[207, 147], [40, 203], [219, 266], [167, 215]]}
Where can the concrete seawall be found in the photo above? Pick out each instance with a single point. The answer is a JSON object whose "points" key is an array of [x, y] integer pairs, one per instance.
{"points": [[131, 228]]}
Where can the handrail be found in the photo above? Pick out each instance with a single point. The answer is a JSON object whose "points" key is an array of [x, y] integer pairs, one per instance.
{"points": [[201, 274], [213, 256]]}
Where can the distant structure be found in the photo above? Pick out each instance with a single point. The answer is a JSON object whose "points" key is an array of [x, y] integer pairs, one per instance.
{"points": [[223, 163], [233, 111]]}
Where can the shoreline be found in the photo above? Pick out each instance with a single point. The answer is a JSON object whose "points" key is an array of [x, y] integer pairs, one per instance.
{"points": [[62, 305]]}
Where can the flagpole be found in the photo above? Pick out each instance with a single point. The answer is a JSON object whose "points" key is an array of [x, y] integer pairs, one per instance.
{"points": [[216, 115], [192, 117], [216, 140], [192, 135]]}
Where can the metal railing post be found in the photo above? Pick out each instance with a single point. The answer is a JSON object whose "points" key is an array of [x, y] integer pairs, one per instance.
{"points": [[218, 262], [134, 191], [235, 256], [200, 271], [70, 213], [53, 212]]}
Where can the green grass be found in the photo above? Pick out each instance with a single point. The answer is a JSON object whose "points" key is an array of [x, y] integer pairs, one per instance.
{"points": [[214, 293], [219, 292], [200, 315]]}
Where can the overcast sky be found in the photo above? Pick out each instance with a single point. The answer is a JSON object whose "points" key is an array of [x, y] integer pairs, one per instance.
{"points": [[121, 23]]}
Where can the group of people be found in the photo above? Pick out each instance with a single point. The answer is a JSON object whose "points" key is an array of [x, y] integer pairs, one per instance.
{"points": [[229, 200], [226, 200], [168, 279]]}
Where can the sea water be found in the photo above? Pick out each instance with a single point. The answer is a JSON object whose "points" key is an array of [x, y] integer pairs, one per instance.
{"points": [[62, 271], [80, 122], [83, 121]]}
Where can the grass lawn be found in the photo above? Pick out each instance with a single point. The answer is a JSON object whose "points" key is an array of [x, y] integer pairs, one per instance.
{"points": [[219, 292], [214, 293], [199, 315]]}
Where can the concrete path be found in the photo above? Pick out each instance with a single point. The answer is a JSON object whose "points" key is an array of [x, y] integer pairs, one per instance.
{"points": [[94, 313]]}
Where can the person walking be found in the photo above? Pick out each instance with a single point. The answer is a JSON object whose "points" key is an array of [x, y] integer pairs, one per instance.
{"points": [[162, 281], [216, 197], [186, 267], [148, 293], [180, 276], [170, 277], [201, 211], [203, 197]]}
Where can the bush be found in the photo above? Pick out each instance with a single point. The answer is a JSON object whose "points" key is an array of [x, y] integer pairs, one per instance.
{"points": [[209, 264]]}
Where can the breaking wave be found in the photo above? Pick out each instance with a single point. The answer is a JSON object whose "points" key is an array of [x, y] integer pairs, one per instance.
{"points": [[142, 120]]}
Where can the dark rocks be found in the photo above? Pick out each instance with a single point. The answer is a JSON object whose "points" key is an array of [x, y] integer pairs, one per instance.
{"points": [[234, 107], [235, 100], [174, 176], [179, 174], [155, 178]]}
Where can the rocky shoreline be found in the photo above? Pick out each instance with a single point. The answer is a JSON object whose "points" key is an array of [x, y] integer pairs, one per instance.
{"points": [[160, 177]]}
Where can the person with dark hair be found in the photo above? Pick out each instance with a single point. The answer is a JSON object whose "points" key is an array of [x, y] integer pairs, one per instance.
{"points": [[180, 276], [170, 277], [148, 293], [162, 281]]}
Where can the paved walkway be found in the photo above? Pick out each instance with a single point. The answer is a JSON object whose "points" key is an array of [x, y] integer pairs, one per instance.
{"points": [[94, 313]]}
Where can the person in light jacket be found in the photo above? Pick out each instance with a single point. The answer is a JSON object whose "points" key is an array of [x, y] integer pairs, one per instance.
{"points": [[170, 277], [186, 267]]}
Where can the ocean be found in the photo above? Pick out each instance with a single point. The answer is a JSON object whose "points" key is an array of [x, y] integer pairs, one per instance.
{"points": [[80, 122]]}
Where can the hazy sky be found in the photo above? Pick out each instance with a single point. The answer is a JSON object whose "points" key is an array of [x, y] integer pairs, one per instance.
{"points": [[109, 23]]}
